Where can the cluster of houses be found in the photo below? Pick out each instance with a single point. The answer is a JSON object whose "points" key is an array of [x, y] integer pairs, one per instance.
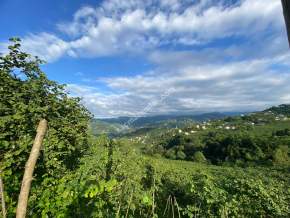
{"points": [[227, 127], [217, 125], [279, 117], [186, 133], [139, 139], [204, 126]]}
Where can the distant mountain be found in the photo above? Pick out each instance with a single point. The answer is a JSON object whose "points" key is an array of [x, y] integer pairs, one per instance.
{"points": [[167, 120], [99, 127]]}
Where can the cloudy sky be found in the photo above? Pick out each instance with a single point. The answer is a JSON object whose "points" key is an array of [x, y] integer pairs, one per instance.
{"points": [[147, 57]]}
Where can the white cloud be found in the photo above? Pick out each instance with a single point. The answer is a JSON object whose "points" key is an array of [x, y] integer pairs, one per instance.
{"points": [[46, 46], [246, 73], [118, 26], [244, 85]]}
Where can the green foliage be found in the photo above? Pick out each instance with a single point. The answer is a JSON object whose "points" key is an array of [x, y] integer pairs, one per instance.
{"points": [[89, 192], [238, 145], [283, 132], [281, 109], [171, 154], [79, 175], [148, 187], [180, 155], [246, 144], [26, 96], [280, 155], [236, 197], [199, 157]]}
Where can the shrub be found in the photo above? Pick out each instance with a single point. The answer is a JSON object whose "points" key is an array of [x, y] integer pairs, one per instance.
{"points": [[170, 154], [199, 157], [180, 155], [280, 155]]}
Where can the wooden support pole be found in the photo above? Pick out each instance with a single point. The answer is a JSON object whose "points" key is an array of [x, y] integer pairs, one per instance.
{"points": [[29, 169], [3, 206]]}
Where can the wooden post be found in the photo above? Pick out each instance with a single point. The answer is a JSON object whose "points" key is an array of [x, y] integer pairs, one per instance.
{"points": [[29, 168], [3, 206]]}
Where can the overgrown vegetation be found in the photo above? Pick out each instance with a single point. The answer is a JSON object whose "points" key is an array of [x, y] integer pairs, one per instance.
{"points": [[219, 172], [27, 96]]}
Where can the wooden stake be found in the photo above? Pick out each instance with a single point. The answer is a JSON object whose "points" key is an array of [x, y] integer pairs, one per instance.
{"points": [[3, 206], [29, 169]]}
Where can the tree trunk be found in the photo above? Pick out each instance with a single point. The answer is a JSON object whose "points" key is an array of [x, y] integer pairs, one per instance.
{"points": [[3, 206], [29, 168]]}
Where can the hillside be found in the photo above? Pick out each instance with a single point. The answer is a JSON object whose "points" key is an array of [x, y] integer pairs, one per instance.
{"points": [[259, 137], [283, 109], [132, 125]]}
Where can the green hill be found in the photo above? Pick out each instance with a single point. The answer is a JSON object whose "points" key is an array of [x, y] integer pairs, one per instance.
{"points": [[257, 138], [99, 127], [283, 109]]}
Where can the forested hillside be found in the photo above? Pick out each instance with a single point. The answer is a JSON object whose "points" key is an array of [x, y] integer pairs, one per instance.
{"points": [[231, 167], [258, 138]]}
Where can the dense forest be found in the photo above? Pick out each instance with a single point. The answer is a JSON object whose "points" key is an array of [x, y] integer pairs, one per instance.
{"points": [[236, 166]]}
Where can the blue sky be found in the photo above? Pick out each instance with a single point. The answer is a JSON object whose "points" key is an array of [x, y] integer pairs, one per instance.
{"points": [[138, 58], [34, 16]]}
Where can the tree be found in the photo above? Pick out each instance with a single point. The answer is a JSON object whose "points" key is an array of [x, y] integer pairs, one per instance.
{"points": [[26, 96]]}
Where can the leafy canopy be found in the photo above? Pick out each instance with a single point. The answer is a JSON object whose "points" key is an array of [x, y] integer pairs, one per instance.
{"points": [[26, 96]]}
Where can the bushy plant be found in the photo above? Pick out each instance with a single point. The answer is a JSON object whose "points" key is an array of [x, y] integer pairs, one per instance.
{"points": [[199, 157], [26, 96], [180, 155], [280, 155]]}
